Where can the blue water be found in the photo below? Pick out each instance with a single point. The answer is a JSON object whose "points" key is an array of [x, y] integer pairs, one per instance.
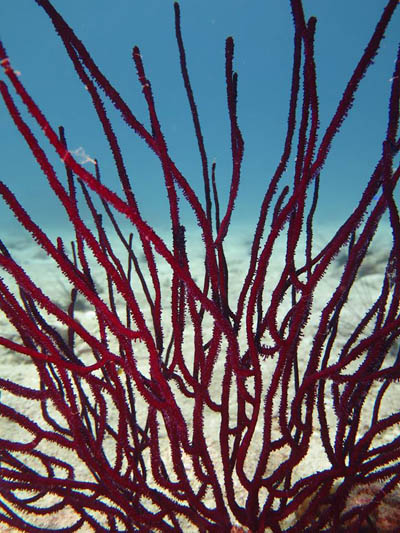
{"points": [[263, 34]]}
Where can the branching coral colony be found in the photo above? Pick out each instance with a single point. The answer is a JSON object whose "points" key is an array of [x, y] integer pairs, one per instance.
{"points": [[181, 407]]}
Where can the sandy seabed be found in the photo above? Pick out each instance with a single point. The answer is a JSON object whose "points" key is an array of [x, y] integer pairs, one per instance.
{"points": [[20, 369]]}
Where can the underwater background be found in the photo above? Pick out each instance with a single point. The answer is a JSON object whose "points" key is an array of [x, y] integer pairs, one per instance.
{"points": [[263, 34]]}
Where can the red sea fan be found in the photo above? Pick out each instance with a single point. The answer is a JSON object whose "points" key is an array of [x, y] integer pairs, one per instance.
{"points": [[160, 399]]}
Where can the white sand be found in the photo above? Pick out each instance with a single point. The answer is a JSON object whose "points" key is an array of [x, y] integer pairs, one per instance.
{"points": [[19, 368]]}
